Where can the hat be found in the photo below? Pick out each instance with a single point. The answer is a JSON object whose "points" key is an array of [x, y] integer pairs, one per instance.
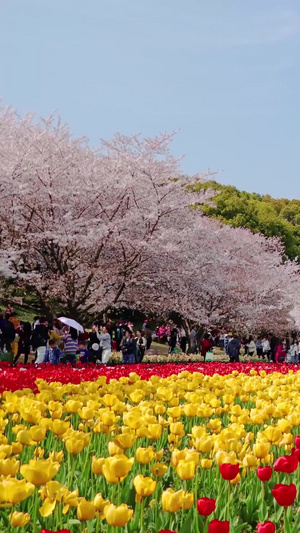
{"points": [[230, 333]]}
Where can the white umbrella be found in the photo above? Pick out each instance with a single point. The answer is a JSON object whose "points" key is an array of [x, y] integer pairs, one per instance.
{"points": [[72, 323]]}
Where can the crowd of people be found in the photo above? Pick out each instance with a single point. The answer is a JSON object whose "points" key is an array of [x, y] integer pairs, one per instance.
{"points": [[54, 342], [269, 347]]}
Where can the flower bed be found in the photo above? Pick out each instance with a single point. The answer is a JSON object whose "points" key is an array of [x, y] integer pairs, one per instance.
{"points": [[214, 449], [25, 376]]}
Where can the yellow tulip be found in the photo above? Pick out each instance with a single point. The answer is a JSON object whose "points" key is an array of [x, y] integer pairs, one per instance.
{"points": [[144, 486], [204, 444], [113, 449], [59, 427], [159, 455], [9, 467], [38, 452], [39, 472], [261, 449], [72, 406], [16, 447], [86, 413], [117, 516], [137, 396], [192, 455], [190, 410], [47, 508], [100, 503], [37, 433], [17, 519], [116, 468], [144, 455], [97, 465], [76, 442], [177, 455], [24, 437], [250, 461], [108, 418], [158, 469], [165, 394], [125, 440], [177, 428], [160, 409], [206, 464], [154, 431], [273, 434], [14, 490], [186, 469], [176, 501], [85, 510], [198, 431], [56, 457]]}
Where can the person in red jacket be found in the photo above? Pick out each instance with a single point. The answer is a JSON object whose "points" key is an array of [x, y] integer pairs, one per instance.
{"points": [[205, 345], [280, 356]]}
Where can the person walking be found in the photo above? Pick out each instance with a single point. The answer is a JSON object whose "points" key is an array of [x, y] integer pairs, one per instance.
{"points": [[259, 347], [206, 345], [128, 347], [105, 343], [251, 346], [234, 349], [39, 339], [273, 346], [24, 344], [141, 344]]}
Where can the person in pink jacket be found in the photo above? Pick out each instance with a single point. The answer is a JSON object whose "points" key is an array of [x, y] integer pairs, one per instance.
{"points": [[280, 356]]}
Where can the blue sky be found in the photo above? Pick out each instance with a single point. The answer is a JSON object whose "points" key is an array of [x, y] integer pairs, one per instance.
{"points": [[225, 73]]}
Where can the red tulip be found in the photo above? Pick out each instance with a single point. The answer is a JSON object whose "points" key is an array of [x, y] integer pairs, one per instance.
{"points": [[229, 471], [266, 527], [216, 526], [297, 441], [166, 531], [296, 452], [59, 531], [264, 473], [286, 464], [206, 506], [285, 495]]}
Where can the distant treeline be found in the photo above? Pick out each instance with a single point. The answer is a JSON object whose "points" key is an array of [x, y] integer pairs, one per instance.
{"points": [[259, 213]]}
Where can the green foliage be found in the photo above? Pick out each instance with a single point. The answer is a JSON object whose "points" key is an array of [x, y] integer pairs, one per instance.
{"points": [[261, 214]]}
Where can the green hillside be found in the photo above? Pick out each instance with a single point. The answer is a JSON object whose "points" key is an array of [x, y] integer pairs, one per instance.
{"points": [[261, 214]]}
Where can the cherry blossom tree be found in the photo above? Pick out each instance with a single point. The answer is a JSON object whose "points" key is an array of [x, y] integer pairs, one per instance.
{"points": [[83, 222], [96, 229]]}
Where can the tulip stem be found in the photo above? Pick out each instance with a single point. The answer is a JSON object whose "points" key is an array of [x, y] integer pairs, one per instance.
{"points": [[142, 515], [228, 504], [35, 507], [285, 520]]}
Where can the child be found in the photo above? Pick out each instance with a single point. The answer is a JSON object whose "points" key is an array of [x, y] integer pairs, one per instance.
{"points": [[53, 354], [83, 352]]}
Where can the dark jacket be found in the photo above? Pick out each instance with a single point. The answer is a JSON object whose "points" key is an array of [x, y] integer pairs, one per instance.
{"points": [[40, 336], [234, 348], [8, 330], [129, 346]]}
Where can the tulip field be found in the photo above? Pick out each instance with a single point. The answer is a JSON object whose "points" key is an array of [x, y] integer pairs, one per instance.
{"points": [[209, 448]]}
